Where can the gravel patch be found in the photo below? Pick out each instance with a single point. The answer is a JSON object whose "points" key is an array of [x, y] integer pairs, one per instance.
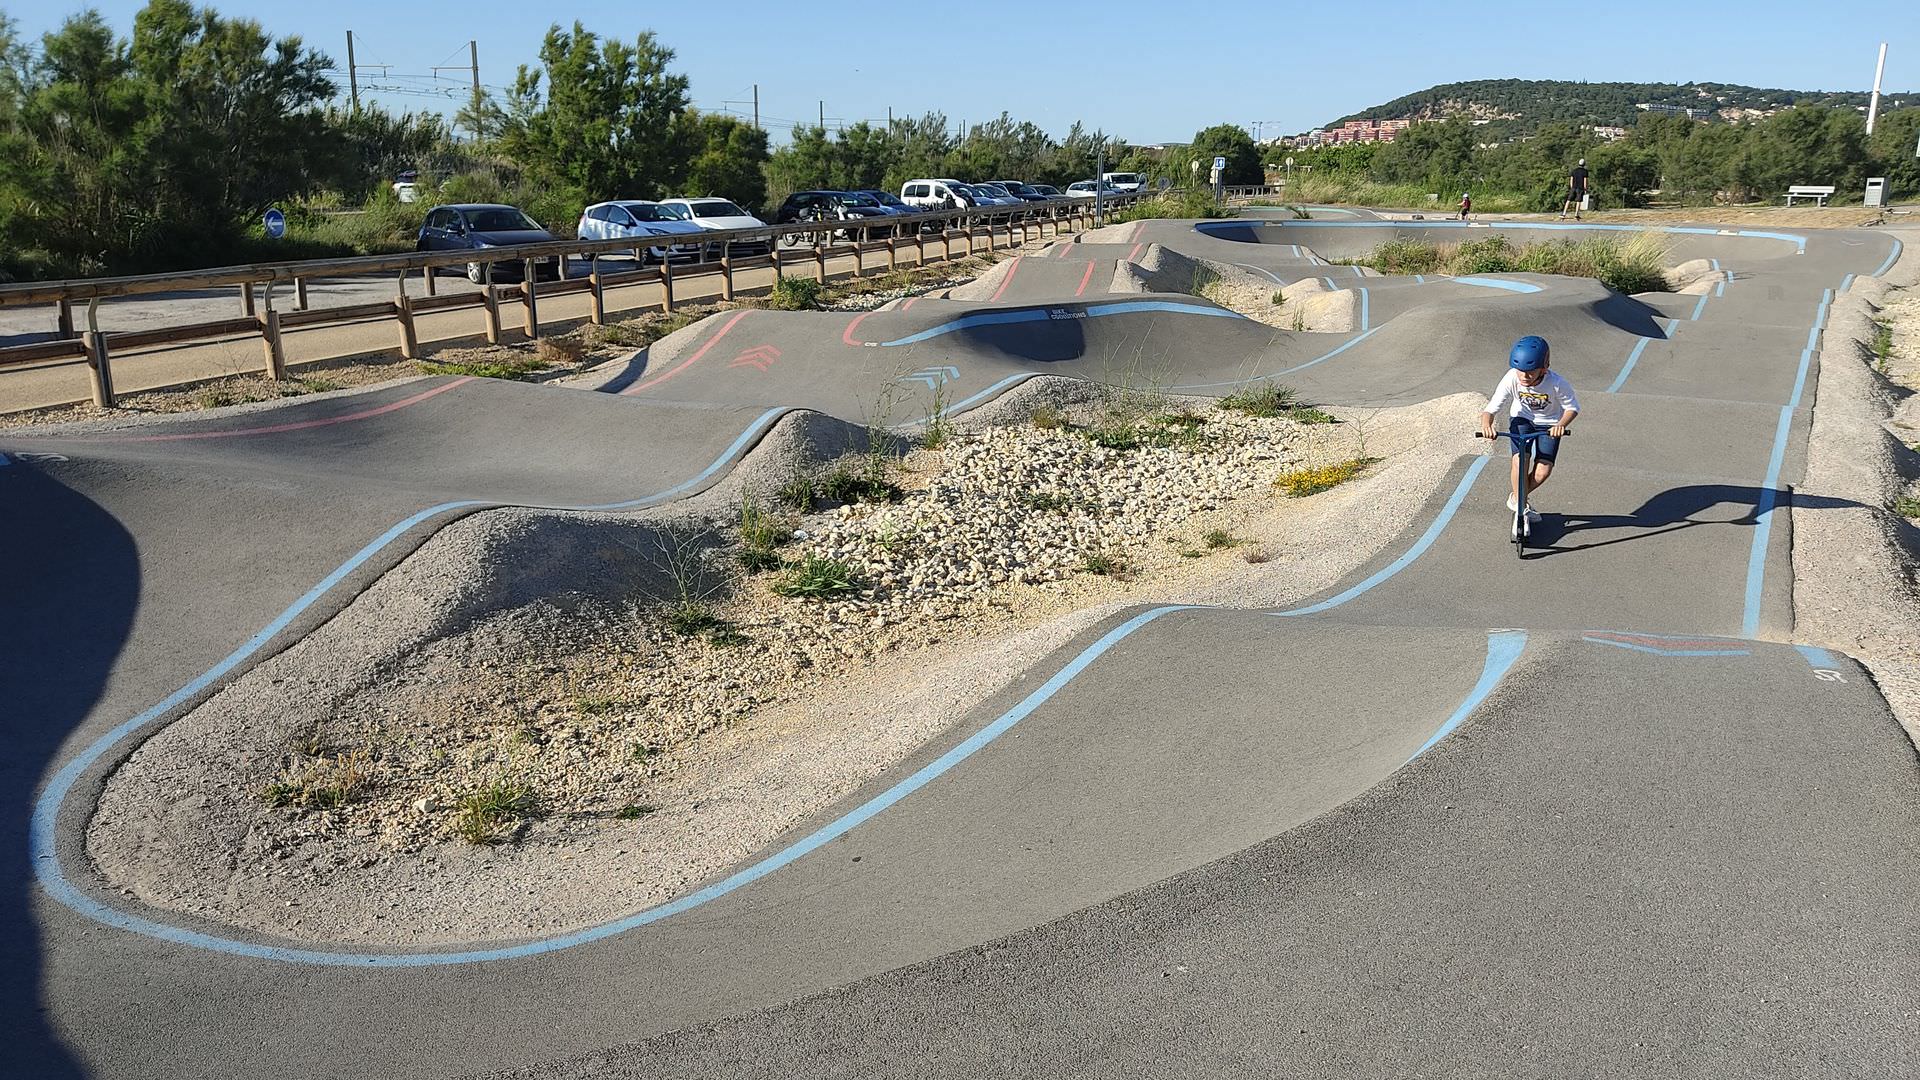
{"points": [[1854, 558], [524, 652]]}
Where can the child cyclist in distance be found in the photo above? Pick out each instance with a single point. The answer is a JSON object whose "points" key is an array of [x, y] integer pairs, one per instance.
{"points": [[1534, 398]]}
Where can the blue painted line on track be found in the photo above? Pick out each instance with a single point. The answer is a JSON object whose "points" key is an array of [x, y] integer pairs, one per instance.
{"points": [[1419, 547], [1092, 311], [42, 847], [1275, 278], [1667, 652], [1818, 657], [1330, 285], [1420, 279], [1348, 344], [1720, 289], [1844, 282], [1800, 242], [1363, 311], [1715, 263], [1699, 307], [1892, 257], [1503, 648], [1634, 356], [1497, 283], [1769, 498], [47, 863]]}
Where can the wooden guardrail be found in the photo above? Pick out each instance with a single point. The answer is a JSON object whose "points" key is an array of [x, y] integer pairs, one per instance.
{"points": [[95, 346]]}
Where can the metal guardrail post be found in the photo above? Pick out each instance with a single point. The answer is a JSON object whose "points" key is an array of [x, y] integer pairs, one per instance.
{"points": [[300, 294], [427, 275], [529, 274], [403, 314], [270, 336], [64, 321], [599, 315], [246, 299], [99, 366]]}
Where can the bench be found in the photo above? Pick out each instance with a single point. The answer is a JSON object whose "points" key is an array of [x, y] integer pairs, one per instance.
{"points": [[1819, 194]]}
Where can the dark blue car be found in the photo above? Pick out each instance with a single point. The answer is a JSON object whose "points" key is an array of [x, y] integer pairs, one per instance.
{"points": [[485, 227]]}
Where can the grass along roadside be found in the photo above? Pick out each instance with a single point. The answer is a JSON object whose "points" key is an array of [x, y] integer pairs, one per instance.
{"points": [[1634, 264]]}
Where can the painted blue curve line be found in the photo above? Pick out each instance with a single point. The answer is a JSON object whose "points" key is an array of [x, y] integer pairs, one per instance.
{"points": [[1503, 648], [1343, 347], [1844, 282], [1330, 285], [1419, 548], [1892, 257], [48, 869], [1363, 310], [1420, 279], [1497, 283], [1699, 307], [1093, 311], [42, 846], [1769, 494], [1715, 264], [1800, 242], [1667, 652], [1276, 278], [1634, 356], [1818, 657]]}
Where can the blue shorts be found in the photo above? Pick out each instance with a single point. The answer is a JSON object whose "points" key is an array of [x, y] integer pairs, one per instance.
{"points": [[1545, 448]]}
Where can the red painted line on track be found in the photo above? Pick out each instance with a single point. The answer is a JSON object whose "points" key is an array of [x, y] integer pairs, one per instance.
{"points": [[1084, 278], [297, 425], [1012, 269], [1136, 229], [689, 361], [847, 334], [1135, 251], [910, 302]]}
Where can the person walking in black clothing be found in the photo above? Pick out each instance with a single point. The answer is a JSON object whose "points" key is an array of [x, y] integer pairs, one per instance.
{"points": [[1576, 191]]}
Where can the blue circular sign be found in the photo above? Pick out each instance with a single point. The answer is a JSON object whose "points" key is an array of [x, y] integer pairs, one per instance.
{"points": [[276, 223]]}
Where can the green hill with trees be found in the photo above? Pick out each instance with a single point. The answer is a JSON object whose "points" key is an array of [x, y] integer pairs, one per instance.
{"points": [[1526, 104]]}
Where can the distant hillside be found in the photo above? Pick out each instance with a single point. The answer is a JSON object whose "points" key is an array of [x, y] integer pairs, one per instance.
{"points": [[1527, 103]]}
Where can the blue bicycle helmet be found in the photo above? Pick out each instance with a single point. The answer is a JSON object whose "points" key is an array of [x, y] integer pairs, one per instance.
{"points": [[1529, 353]]}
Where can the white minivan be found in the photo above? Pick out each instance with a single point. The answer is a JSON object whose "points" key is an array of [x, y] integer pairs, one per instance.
{"points": [[1124, 182], [937, 195]]}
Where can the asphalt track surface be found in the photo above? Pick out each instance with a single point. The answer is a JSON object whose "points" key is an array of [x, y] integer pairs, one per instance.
{"points": [[1590, 814]]}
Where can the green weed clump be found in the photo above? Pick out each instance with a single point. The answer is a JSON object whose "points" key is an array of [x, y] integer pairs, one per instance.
{"points": [[815, 578], [519, 369], [1634, 265], [1048, 418], [1267, 399], [1907, 506], [844, 485], [1106, 564], [323, 784], [1882, 345], [761, 530], [1191, 203], [487, 816], [1314, 479], [1404, 257], [794, 294]]}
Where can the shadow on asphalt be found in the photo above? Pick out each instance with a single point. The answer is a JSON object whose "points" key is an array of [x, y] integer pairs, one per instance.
{"points": [[1670, 511], [71, 591]]}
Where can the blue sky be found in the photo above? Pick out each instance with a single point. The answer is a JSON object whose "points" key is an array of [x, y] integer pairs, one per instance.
{"points": [[1147, 71]]}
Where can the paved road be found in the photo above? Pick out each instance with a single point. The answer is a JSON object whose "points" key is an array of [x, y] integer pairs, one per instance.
{"points": [[1641, 834]]}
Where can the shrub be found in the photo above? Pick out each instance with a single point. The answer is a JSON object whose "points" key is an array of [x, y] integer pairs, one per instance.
{"points": [[1103, 563], [1267, 399], [1216, 539], [1404, 257], [798, 492], [1487, 255], [1318, 478], [792, 293], [1907, 506], [1048, 418], [815, 577], [691, 618], [560, 350], [843, 485], [517, 368], [1307, 415], [323, 784]]}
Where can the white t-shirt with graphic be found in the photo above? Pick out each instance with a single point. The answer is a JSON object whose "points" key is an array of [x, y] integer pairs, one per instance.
{"points": [[1544, 403]]}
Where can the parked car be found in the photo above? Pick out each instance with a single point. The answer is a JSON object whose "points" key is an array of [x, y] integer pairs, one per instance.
{"points": [[986, 195], [942, 194], [711, 213], [809, 206], [1020, 191], [1047, 191], [406, 186], [1084, 189], [620, 219], [485, 227], [1124, 182]]}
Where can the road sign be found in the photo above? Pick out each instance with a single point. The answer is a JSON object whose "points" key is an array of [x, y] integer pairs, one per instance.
{"points": [[276, 223], [1220, 163]]}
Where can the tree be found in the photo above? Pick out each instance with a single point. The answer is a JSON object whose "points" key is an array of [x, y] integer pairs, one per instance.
{"points": [[1233, 143], [1892, 149], [605, 119], [729, 160], [229, 121]]}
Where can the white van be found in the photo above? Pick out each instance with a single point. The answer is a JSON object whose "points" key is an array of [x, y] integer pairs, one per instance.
{"points": [[943, 194], [1124, 182]]}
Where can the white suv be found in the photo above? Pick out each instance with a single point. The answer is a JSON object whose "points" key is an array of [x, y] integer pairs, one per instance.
{"points": [[1124, 182]]}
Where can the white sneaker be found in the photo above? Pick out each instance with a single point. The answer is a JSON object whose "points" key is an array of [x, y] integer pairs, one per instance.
{"points": [[1513, 503]]}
